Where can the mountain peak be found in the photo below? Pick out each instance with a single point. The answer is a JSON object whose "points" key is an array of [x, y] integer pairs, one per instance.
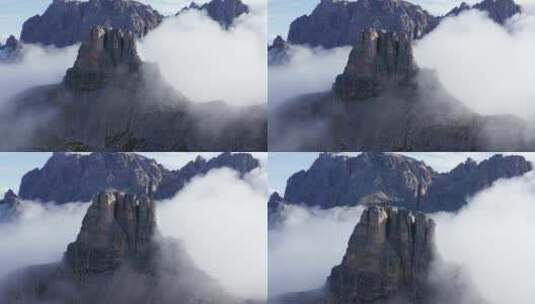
{"points": [[381, 59], [116, 229], [104, 54], [223, 12], [389, 255]]}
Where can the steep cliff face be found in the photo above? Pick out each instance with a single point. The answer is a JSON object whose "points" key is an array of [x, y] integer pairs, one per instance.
{"points": [[339, 23], [117, 228], [388, 258], [67, 22], [381, 59], [380, 178], [223, 12], [68, 177], [105, 54]]}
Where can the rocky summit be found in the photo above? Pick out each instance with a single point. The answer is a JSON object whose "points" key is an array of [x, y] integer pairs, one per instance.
{"points": [[69, 177], [10, 206], [223, 12], [379, 60], [67, 22], [105, 54], [117, 228], [336, 23], [383, 178], [388, 257], [11, 50], [278, 51]]}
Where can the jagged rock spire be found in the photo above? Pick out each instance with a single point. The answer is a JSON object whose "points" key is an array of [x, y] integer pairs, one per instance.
{"points": [[379, 60], [118, 228], [388, 257], [106, 52]]}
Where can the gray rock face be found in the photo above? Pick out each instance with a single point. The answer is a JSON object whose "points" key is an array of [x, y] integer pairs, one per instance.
{"points": [[382, 178], [336, 23], [105, 53], [67, 22], [117, 228], [68, 177], [381, 59], [498, 10], [388, 258], [223, 12]]}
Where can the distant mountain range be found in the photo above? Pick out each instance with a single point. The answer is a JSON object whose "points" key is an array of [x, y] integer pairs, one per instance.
{"points": [[67, 22], [390, 179], [335, 23], [70, 177]]}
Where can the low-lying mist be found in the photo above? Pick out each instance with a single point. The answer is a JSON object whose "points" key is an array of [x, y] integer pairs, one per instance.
{"points": [[487, 66], [308, 71], [221, 219], [38, 66], [40, 235], [304, 248]]}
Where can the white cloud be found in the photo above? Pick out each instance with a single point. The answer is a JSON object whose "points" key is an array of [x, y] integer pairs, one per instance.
{"points": [[309, 71], [492, 240], [206, 63], [486, 66], [307, 245], [40, 235], [222, 222]]}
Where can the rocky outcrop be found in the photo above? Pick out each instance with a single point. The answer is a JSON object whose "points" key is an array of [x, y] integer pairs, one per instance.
{"points": [[388, 258], [335, 23], [383, 178], [67, 22], [104, 55], [10, 206], [69, 177], [223, 12], [381, 59], [498, 10], [11, 50], [278, 51], [118, 228]]}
